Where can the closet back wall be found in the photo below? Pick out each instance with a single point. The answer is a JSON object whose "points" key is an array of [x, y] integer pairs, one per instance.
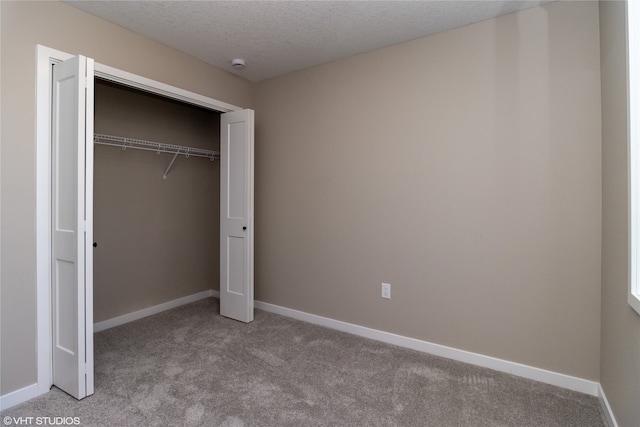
{"points": [[157, 239]]}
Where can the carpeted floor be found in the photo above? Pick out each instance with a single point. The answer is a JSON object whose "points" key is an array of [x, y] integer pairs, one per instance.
{"points": [[190, 366]]}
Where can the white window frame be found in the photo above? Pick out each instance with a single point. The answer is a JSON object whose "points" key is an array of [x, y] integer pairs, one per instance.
{"points": [[633, 80]]}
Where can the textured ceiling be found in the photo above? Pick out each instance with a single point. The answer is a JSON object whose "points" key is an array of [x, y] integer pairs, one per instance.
{"points": [[278, 37]]}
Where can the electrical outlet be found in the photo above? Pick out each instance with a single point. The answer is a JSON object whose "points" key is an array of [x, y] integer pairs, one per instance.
{"points": [[386, 291]]}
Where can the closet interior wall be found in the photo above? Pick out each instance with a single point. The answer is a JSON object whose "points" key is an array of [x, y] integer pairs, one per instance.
{"points": [[158, 239]]}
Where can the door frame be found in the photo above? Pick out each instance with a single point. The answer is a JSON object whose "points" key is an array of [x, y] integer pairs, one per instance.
{"points": [[45, 59]]}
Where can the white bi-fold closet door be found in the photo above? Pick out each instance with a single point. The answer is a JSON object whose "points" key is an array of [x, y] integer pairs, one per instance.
{"points": [[72, 221]]}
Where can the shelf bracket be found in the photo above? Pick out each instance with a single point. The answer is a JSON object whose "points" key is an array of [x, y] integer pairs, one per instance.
{"points": [[164, 175]]}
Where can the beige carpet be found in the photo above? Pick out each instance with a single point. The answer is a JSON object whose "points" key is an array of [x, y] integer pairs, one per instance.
{"points": [[191, 367]]}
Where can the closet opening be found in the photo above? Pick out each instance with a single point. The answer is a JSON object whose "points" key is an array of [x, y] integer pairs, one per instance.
{"points": [[65, 133], [157, 240]]}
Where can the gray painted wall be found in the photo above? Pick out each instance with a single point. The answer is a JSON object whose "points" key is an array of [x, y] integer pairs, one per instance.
{"points": [[620, 351], [463, 168]]}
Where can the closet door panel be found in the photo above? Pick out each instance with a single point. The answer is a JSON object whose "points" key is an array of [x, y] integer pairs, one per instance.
{"points": [[72, 100], [236, 215]]}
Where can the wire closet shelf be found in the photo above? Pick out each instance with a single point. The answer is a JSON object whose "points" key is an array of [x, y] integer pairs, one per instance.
{"points": [[158, 147]]}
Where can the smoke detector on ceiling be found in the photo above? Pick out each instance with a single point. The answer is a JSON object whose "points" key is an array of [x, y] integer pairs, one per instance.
{"points": [[238, 64]]}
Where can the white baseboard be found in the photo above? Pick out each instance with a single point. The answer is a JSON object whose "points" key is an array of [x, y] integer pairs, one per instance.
{"points": [[16, 397], [542, 375], [606, 408], [130, 317], [525, 371], [549, 377]]}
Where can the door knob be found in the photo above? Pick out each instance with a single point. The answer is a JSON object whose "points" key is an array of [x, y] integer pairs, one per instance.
{"points": [[95, 244], [244, 228]]}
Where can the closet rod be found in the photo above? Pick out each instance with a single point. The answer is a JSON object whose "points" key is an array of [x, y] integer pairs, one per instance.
{"points": [[158, 147]]}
